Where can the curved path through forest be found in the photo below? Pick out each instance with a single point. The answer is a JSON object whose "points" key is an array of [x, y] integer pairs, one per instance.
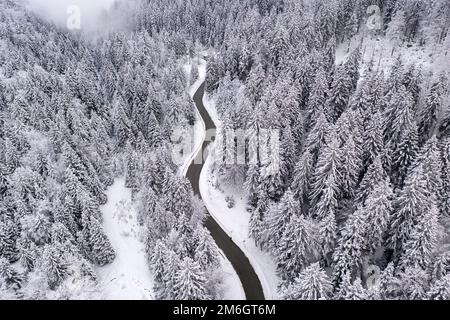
{"points": [[250, 281]]}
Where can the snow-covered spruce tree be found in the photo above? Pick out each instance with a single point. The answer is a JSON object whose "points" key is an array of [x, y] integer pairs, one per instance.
{"points": [[340, 91], [205, 252], [355, 291], [170, 267], [445, 174], [178, 195], [257, 224], [378, 207], [398, 115], [351, 166], [317, 97], [287, 154], [397, 27], [327, 234], [410, 205], [317, 136], [301, 182], [413, 284], [279, 216], [252, 181], [296, 248], [440, 290], [101, 251], [347, 257], [420, 248], [404, 154], [190, 282], [9, 234], [311, 284], [389, 284], [54, 264], [325, 190], [428, 115], [373, 138], [374, 174], [9, 276]]}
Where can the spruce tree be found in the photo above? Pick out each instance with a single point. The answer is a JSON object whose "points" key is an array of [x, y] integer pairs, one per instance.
{"points": [[54, 265], [351, 245], [205, 252], [410, 204], [190, 282], [296, 248], [378, 208], [440, 290], [428, 115], [371, 178], [326, 179], [340, 91], [279, 217], [373, 139], [311, 284], [420, 248], [102, 252], [404, 154]]}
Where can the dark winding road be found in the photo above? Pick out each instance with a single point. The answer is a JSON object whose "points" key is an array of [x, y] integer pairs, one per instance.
{"points": [[250, 281]]}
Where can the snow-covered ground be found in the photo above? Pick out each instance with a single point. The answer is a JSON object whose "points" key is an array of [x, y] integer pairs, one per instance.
{"points": [[128, 276], [231, 285], [235, 221]]}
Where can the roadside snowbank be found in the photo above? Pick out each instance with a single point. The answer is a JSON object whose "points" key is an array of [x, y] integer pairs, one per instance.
{"points": [[128, 277]]}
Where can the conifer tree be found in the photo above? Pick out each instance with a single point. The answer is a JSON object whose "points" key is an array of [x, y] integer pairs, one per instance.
{"points": [[350, 168], [420, 247], [410, 204], [433, 102], [351, 246], [371, 178], [340, 91], [404, 155], [296, 248], [54, 264], [325, 190], [9, 276], [190, 282], [205, 252], [302, 176], [373, 139], [440, 290], [378, 208], [102, 252], [311, 284], [280, 215]]}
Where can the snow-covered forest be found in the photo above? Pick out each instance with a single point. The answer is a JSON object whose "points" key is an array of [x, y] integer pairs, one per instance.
{"points": [[360, 205]]}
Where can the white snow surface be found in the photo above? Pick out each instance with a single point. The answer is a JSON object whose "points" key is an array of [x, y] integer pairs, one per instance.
{"points": [[128, 277], [235, 221]]}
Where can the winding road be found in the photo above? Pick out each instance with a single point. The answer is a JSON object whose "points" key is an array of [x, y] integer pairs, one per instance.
{"points": [[250, 281]]}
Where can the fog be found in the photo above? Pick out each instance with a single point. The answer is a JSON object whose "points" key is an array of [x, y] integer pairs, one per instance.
{"points": [[72, 14]]}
